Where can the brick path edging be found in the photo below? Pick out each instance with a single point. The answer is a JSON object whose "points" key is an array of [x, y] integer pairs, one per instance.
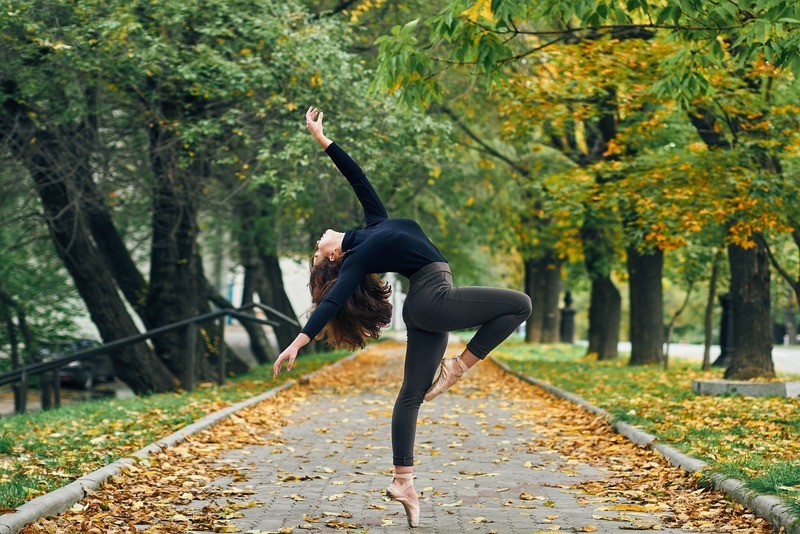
{"points": [[62, 499], [770, 508]]}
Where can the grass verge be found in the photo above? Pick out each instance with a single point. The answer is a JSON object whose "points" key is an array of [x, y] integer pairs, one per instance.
{"points": [[753, 439], [44, 451]]}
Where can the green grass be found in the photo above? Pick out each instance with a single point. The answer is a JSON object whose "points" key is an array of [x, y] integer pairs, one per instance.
{"points": [[43, 451], [754, 439]]}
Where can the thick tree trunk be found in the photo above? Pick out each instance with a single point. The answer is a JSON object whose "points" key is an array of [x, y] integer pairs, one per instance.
{"points": [[112, 248], [272, 292], [752, 325], [54, 160], [136, 365], [177, 284], [605, 301], [543, 285], [552, 290], [604, 318], [534, 289], [646, 309]]}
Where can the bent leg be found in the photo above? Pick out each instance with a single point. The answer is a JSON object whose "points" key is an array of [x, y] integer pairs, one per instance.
{"points": [[423, 354], [498, 312]]}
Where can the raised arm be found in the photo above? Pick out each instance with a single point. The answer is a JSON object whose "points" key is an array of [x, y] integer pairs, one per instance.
{"points": [[374, 211]]}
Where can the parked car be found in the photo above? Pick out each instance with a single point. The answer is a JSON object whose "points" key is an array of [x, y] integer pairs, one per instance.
{"points": [[85, 373]]}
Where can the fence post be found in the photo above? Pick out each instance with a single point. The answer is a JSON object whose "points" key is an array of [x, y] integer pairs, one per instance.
{"points": [[45, 385], [221, 350], [56, 388], [21, 393], [191, 351]]}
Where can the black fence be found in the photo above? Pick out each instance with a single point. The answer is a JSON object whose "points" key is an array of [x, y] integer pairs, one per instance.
{"points": [[49, 371]]}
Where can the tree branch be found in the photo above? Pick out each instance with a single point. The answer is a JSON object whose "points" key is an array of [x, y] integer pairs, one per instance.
{"points": [[489, 149]]}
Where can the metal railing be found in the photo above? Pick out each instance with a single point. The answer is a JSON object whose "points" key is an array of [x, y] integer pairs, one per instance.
{"points": [[49, 370]]}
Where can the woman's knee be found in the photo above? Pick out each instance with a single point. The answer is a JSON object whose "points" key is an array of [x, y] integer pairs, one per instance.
{"points": [[525, 305]]}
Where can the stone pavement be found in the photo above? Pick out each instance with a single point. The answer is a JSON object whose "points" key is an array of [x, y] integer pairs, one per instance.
{"points": [[483, 466]]}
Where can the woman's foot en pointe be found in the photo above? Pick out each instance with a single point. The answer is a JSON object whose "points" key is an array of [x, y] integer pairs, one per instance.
{"points": [[401, 495], [450, 370]]}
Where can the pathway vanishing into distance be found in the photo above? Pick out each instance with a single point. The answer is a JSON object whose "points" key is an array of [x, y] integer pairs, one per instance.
{"points": [[495, 455]]}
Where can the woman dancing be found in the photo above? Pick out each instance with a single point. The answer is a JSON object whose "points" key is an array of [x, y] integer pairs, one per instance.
{"points": [[352, 305]]}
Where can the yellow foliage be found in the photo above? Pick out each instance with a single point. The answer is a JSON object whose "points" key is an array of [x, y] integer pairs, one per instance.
{"points": [[482, 9]]}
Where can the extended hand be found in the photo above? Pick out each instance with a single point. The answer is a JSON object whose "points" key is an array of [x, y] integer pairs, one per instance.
{"points": [[288, 355], [314, 121]]}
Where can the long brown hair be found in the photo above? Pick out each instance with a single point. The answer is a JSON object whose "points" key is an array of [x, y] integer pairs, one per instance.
{"points": [[363, 315]]}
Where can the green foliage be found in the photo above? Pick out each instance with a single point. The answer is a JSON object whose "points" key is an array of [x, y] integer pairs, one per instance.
{"points": [[30, 271]]}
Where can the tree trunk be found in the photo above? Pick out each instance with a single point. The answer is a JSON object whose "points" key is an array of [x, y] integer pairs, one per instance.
{"points": [[136, 365], [552, 289], [708, 320], [543, 286], [545, 277], [605, 304], [177, 284], [112, 248], [534, 289], [53, 161], [646, 306], [272, 292], [604, 318], [752, 325]]}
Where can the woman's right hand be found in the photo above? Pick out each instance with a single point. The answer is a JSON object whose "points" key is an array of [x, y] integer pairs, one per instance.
{"points": [[314, 121], [314, 125]]}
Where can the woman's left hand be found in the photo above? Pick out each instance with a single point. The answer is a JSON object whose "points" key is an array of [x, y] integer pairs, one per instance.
{"points": [[288, 355]]}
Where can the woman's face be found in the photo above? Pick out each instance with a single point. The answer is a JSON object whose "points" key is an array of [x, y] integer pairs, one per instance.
{"points": [[326, 247]]}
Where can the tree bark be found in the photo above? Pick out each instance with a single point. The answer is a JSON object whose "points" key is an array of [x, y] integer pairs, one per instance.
{"points": [[543, 285], [552, 290], [112, 248], [605, 304], [534, 289], [646, 306], [752, 326], [605, 312], [177, 284]]}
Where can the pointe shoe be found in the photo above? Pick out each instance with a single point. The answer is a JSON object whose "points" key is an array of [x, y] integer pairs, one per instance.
{"points": [[398, 494], [450, 370]]}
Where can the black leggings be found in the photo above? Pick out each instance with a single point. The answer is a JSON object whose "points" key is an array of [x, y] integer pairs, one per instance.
{"points": [[433, 308]]}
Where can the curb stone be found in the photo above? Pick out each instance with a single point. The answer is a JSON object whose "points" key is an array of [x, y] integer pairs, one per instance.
{"points": [[769, 507], [62, 499]]}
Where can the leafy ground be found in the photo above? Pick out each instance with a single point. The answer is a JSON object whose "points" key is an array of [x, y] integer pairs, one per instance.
{"points": [[753, 439], [200, 485], [43, 451]]}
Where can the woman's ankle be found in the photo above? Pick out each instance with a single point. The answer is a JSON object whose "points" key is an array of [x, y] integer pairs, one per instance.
{"points": [[468, 359]]}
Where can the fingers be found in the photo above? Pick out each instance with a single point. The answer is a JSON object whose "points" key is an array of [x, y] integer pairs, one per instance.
{"points": [[314, 114], [276, 368]]}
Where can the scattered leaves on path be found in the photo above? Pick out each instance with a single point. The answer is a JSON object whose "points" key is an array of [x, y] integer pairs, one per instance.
{"points": [[174, 491]]}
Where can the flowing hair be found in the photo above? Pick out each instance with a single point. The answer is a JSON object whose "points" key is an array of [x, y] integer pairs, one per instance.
{"points": [[366, 311]]}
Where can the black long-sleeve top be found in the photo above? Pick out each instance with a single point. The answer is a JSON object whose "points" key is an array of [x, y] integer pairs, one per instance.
{"points": [[383, 245]]}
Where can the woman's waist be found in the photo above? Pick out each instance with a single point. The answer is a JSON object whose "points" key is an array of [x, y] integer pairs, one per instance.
{"points": [[428, 271]]}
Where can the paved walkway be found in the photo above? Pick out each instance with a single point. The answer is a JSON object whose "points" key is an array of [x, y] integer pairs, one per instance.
{"points": [[495, 455]]}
